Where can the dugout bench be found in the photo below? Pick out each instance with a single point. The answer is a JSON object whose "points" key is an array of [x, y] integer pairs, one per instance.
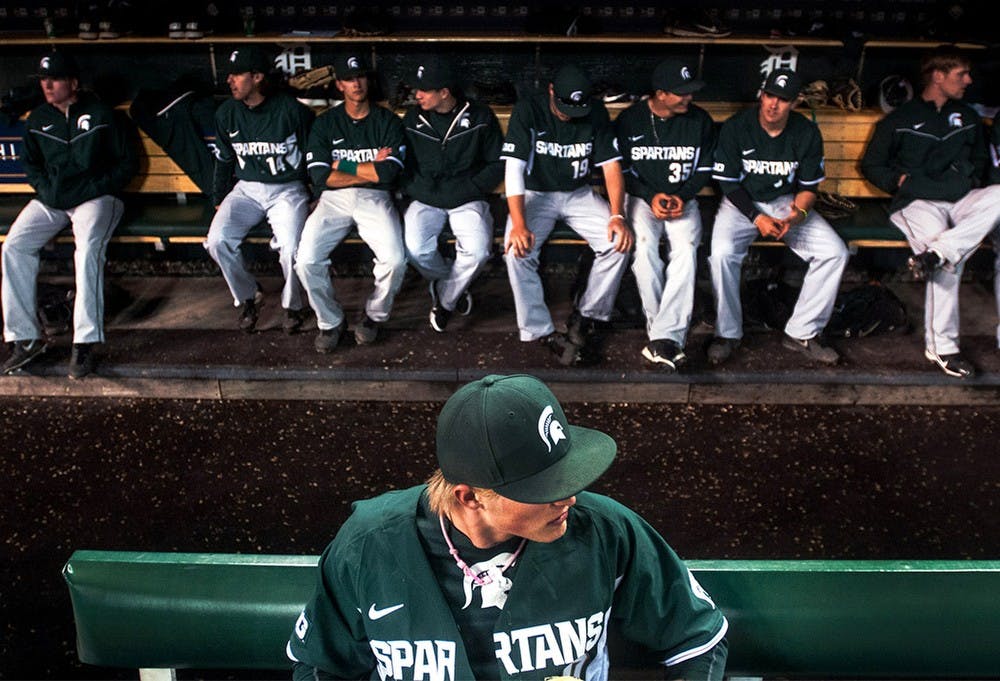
{"points": [[788, 618], [164, 206]]}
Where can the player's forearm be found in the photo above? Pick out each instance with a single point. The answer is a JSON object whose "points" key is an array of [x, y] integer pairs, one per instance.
{"points": [[614, 182], [352, 175], [515, 207]]}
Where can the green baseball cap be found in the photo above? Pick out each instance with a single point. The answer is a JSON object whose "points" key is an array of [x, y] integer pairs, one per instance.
{"points": [[248, 59], [350, 65], [572, 90], [509, 434], [58, 65]]}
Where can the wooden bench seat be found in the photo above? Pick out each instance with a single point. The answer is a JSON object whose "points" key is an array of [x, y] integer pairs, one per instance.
{"points": [[155, 215]]}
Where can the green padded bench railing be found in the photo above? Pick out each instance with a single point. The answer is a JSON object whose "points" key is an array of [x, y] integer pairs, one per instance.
{"points": [[793, 619]]}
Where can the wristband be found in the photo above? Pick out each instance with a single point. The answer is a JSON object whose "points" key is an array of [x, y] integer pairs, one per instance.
{"points": [[802, 210], [618, 216], [349, 167]]}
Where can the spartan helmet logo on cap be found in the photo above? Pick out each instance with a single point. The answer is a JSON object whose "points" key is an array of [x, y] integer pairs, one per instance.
{"points": [[550, 430], [685, 73], [420, 72], [44, 64], [232, 56], [353, 63], [781, 81], [576, 96]]}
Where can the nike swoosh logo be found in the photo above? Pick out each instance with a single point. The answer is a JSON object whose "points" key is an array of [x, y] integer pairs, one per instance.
{"points": [[778, 183], [917, 126], [636, 138], [543, 133], [421, 125], [234, 133], [377, 614], [338, 141], [747, 152], [46, 128]]}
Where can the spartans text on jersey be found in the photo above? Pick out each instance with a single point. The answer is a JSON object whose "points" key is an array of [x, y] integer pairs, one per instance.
{"points": [[663, 153], [576, 150], [560, 644]]}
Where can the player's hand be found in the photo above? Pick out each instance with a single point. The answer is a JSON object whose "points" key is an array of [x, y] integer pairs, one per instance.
{"points": [[795, 216], [661, 206], [770, 227], [620, 235], [520, 241], [383, 154], [675, 207]]}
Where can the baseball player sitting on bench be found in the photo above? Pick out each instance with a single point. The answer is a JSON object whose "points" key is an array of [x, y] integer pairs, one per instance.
{"points": [[553, 141], [769, 163], [994, 177], [930, 153], [76, 157], [261, 137], [501, 566], [668, 144], [452, 164], [355, 154]]}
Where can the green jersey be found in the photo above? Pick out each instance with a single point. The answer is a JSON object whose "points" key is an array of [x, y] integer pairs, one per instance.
{"points": [[559, 155], [768, 167], [266, 143], [665, 155], [942, 152], [337, 136], [78, 155], [378, 610]]}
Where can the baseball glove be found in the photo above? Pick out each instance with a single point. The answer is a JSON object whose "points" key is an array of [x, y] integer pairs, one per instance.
{"points": [[317, 77], [815, 94], [834, 206], [846, 94]]}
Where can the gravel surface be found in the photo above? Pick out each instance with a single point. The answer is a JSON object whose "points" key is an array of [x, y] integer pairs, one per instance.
{"points": [[278, 477]]}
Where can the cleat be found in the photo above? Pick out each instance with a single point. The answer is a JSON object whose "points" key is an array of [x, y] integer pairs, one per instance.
{"points": [[81, 361], [665, 352], [438, 316], [567, 352], [250, 311], [721, 349], [953, 365], [366, 332], [248, 315], [813, 348], [464, 306], [327, 340], [294, 319], [22, 353], [922, 265], [579, 329]]}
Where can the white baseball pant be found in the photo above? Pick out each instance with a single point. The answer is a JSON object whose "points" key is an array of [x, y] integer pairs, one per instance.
{"points": [[373, 211], [813, 240], [954, 231], [667, 292], [285, 206], [586, 214], [472, 225], [92, 222]]}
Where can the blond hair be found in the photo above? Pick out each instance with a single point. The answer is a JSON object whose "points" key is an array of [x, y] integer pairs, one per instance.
{"points": [[441, 493]]}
